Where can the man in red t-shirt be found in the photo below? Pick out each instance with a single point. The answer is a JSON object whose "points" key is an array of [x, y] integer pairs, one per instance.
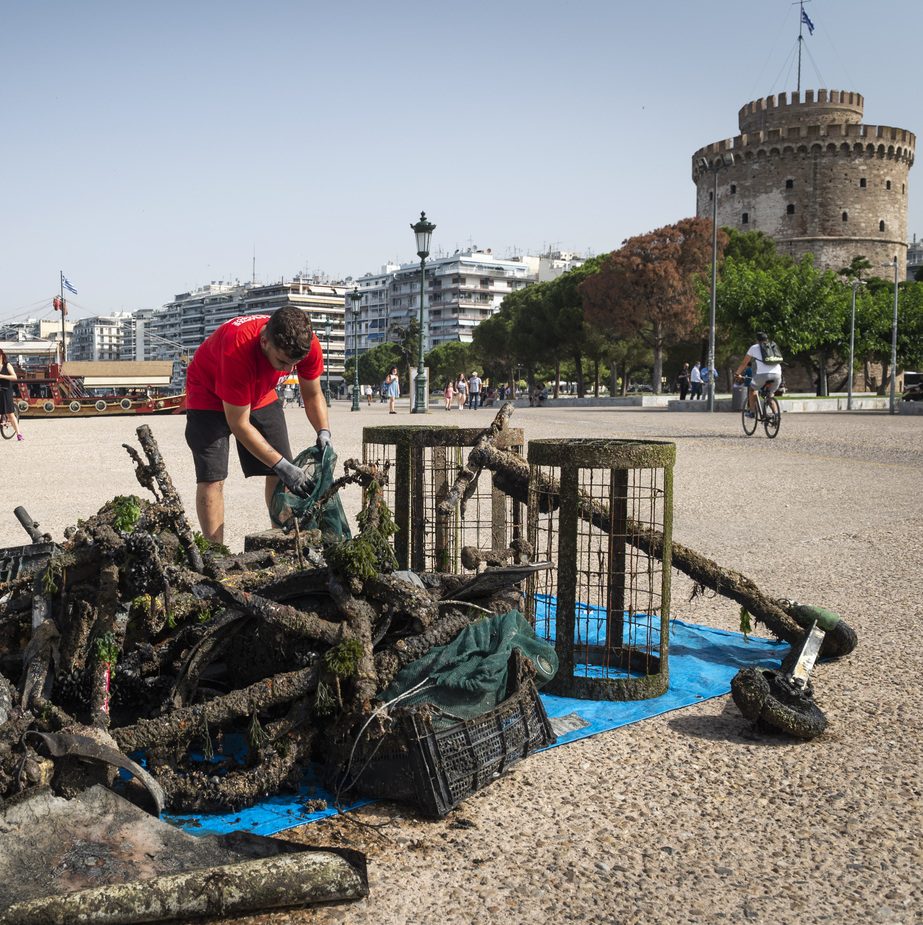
{"points": [[231, 389]]}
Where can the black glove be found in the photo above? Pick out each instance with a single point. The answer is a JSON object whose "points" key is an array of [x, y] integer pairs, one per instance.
{"points": [[295, 479], [323, 438]]}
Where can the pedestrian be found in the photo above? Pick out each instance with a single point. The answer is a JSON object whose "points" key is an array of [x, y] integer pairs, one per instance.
{"points": [[695, 382], [448, 393], [461, 390], [474, 390], [7, 390], [392, 388], [231, 389], [367, 392], [682, 380], [709, 377]]}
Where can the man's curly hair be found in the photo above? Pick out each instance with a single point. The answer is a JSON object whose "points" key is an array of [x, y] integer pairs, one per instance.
{"points": [[289, 329]]}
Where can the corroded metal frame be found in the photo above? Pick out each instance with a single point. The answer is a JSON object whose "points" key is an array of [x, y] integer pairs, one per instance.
{"points": [[410, 444], [568, 457]]}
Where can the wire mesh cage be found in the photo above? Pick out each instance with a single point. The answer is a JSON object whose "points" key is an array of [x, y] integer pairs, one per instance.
{"points": [[424, 463], [602, 510]]}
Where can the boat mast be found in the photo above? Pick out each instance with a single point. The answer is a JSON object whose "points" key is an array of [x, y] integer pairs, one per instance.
{"points": [[63, 316]]}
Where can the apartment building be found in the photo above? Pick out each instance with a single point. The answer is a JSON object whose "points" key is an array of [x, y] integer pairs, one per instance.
{"points": [[98, 338], [459, 292]]}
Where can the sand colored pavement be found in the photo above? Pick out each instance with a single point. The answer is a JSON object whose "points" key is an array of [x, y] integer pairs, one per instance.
{"points": [[686, 817]]}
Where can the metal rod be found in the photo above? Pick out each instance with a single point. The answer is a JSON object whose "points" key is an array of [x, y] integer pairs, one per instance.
{"points": [[892, 409], [852, 346], [714, 291]]}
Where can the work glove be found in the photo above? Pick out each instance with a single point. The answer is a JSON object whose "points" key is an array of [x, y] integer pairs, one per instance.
{"points": [[295, 479], [323, 438]]}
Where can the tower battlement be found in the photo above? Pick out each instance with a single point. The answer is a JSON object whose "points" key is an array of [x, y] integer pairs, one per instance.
{"points": [[807, 171], [819, 107]]}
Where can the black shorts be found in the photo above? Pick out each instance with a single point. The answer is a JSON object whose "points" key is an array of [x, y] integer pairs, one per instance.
{"points": [[207, 435]]}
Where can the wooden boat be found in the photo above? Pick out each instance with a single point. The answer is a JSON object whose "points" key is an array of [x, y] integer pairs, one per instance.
{"points": [[93, 389]]}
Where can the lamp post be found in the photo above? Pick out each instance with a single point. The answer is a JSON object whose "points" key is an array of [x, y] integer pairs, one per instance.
{"points": [[726, 160], [892, 404], [355, 297], [423, 230], [856, 283], [327, 329]]}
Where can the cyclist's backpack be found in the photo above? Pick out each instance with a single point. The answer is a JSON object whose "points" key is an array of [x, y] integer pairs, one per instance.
{"points": [[771, 352]]}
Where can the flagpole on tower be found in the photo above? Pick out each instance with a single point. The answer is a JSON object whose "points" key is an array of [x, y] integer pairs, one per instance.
{"points": [[803, 20]]}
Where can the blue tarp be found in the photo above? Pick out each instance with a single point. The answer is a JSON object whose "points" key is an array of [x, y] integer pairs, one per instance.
{"points": [[702, 662]]}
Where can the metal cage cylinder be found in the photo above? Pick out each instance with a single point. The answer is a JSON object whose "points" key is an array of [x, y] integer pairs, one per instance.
{"points": [[602, 510], [424, 463]]}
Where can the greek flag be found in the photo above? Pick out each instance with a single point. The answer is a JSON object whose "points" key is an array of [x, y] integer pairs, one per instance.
{"points": [[807, 21], [68, 285]]}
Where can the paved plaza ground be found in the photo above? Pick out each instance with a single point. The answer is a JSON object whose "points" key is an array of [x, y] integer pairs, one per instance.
{"points": [[682, 818]]}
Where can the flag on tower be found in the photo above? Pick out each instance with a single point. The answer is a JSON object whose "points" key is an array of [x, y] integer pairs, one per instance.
{"points": [[67, 284], [807, 21]]}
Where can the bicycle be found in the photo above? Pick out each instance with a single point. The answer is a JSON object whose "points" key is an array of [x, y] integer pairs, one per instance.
{"points": [[767, 412], [6, 426]]}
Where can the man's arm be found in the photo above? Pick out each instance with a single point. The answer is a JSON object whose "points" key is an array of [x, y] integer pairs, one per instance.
{"points": [[238, 418], [315, 405], [743, 364]]}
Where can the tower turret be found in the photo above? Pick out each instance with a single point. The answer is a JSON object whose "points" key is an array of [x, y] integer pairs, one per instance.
{"points": [[810, 174]]}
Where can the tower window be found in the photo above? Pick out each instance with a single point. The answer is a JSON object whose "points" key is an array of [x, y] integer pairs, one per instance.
{"points": [[789, 184], [790, 209], [862, 183], [887, 184], [733, 188], [745, 218], [881, 225], [845, 216], [711, 195]]}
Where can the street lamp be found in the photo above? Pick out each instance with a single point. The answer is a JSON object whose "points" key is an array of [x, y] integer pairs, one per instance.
{"points": [[355, 297], [328, 326], [856, 283], [892, 405], [726, 160], [423, 230]]}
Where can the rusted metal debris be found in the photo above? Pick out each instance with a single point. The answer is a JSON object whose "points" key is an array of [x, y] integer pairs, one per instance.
{"points": [[98, 858], [132, 640]]}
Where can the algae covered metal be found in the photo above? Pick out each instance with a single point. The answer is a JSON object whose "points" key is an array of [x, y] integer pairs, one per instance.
{"points": [[607, 606]]}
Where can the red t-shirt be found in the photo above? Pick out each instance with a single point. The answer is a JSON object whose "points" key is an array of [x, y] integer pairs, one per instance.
{"points": [[230, 366]]}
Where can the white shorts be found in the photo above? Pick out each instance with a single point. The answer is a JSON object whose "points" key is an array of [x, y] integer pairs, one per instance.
{"points": [[761, 379]]}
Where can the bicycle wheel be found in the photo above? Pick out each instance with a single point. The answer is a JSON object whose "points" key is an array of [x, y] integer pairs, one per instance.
{"points": [[772, 418], [749, 423], [6, 427]]}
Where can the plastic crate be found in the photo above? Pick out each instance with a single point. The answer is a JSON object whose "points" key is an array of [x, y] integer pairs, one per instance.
{"points": [[435, 769], [24, 560]]}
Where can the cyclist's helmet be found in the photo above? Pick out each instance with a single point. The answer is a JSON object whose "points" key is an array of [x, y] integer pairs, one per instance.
{"points": [[761, 336]]}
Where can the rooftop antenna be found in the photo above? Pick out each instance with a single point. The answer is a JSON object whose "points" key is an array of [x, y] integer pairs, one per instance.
{"points": [[253, 271]]}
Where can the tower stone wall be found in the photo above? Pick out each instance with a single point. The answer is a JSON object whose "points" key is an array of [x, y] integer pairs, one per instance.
{"points": [[810, 174]]}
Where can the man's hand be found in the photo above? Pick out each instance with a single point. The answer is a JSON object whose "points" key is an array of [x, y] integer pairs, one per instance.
{"points": [[323, 438], [295, 479]]}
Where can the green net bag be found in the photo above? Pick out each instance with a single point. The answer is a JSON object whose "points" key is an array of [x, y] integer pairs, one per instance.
{"points": [[329, 518]]}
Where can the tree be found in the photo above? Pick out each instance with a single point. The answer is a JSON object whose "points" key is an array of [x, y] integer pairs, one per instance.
{"points": [[857, 266], [374, 364], [406, 337], [802, 308], [446, 361], [647, 287], [563, 320]]}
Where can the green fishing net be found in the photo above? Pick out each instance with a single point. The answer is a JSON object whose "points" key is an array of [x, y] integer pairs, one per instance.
{"points": [[329, 518], [468, 676]]}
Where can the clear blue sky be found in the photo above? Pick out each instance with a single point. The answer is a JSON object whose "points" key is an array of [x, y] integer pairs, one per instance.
{"points": [[148, 148]]}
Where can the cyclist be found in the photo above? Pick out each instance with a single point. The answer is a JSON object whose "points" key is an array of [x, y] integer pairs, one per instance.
{"points": [[765, 359]]}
